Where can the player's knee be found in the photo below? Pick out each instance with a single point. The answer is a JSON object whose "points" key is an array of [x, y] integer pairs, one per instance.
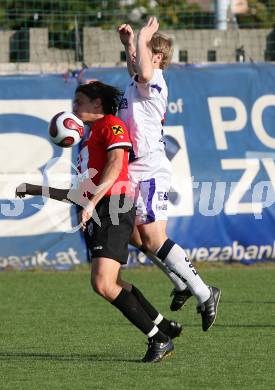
{"points": [[150, 244], [135, 242], [99, 287], [153, 239], [102, 287]]}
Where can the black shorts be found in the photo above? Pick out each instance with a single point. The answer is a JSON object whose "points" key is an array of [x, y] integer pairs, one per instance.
{"points": [[111, 239]]}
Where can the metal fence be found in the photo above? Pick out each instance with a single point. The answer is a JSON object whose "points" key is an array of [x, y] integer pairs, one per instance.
{"points": [[65, 21]]}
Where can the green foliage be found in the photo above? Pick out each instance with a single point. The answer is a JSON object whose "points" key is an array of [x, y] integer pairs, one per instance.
{"points": [[261, 14], [60, 15]]}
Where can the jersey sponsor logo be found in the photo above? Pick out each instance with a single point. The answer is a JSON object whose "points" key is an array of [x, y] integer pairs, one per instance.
{"points": [[161, 207], [117, 130], [162, 195]]}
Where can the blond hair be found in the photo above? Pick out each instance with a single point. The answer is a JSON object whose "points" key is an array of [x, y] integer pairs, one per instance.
{"points": [[160, 43]]}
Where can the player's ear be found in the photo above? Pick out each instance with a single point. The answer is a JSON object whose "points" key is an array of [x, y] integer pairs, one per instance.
{"points": [[98, 102], [158, 58]]}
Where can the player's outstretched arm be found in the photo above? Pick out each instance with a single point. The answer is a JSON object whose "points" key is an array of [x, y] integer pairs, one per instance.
{"points": [[144, 63], [36, 190], [127, 38]]}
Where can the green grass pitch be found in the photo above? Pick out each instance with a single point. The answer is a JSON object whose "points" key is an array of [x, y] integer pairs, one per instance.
{"points": [[55, 333]]}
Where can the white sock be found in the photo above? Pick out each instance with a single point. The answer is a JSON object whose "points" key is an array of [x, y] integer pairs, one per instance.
{"points": [[158, 320], [177, 261], [153, 332], [178, 283]]}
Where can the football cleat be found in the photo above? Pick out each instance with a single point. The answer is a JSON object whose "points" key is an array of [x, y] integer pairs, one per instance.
{"points": [[156, 352], [179, 298], [175, 329], [208, 309]]}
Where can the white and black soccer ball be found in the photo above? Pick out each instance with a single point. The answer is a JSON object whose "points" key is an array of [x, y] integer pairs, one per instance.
{"points": [[66, 129]]}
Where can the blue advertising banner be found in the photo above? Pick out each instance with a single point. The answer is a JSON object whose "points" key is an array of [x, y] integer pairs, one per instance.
{"points": [[220, 139], [229, 140], [35, 232]]}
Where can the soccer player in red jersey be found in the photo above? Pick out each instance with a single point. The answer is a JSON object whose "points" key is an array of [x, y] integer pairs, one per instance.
{"points": [[108, 213]]}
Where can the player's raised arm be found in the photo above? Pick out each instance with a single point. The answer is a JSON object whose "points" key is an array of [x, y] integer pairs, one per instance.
{"points": [[144, 55], [127, 38]]}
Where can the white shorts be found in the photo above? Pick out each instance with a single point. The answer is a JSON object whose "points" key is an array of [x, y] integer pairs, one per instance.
{"points": [[150, 178]]}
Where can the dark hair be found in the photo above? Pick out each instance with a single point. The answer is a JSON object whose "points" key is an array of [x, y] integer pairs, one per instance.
{"points": [[110, 96]]}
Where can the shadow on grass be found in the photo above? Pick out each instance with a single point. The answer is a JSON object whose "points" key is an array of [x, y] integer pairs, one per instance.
{"points": [[72, 357]]}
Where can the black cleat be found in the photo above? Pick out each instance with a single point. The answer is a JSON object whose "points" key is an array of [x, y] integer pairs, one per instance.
{"points": [[158, 351], [209, 308], [179, 299], [175, 329]]}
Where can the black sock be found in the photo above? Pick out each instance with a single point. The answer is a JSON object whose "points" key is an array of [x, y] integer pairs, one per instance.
{"points": [[164, 325], [130, 307], [150, 310], [159, 337]]}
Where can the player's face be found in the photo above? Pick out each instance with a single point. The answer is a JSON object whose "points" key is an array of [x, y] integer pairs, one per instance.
{"points": [[85, 108]]}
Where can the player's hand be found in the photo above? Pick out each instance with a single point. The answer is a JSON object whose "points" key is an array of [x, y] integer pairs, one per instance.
{"points": [[126, 34], [86, 215], [21, 190], [150, 28]]}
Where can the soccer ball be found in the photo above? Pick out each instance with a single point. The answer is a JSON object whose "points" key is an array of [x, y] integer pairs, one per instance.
{"points": [[66, 129]]}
